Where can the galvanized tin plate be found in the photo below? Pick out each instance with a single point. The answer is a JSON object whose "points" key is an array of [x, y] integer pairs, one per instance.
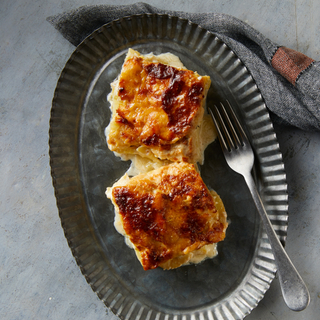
{"points": [[226, 287]]}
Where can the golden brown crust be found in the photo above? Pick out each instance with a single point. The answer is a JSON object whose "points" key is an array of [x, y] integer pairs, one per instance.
{"points": [[168, 213], [157, 107]]}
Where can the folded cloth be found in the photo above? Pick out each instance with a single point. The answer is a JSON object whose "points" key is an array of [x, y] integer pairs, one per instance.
{"points": [[288, 80]]}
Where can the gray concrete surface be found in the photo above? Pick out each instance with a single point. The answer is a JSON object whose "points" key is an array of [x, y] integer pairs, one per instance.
{"points": [[39, 277]]}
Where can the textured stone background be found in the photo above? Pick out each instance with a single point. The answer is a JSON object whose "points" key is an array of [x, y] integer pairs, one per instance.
{"points": [[39, 277]]}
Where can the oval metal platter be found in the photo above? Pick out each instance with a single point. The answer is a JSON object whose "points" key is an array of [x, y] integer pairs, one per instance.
{"points": [[228, 286]]}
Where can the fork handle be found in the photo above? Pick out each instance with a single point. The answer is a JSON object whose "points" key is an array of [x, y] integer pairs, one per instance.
{"points": [[294, 290]]}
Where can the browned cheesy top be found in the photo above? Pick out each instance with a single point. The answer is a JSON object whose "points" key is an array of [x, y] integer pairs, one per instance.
{"points": [[167, 213], [156, 103]]}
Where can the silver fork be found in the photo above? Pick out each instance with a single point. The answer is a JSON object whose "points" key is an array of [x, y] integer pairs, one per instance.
{"points": [[239, 156]]}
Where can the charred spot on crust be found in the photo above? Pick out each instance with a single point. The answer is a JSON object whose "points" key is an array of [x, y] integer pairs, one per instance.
{"points": [[159, 71], [151, 140], [122, 119], [139, 212], [153, 258], [195, 92]]}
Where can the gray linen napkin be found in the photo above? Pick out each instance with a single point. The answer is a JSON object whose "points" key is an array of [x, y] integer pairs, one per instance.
{"points": [[288, 80]]}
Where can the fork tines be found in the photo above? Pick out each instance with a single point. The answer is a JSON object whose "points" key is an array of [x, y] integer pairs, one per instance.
{"points": [[230, 132]]}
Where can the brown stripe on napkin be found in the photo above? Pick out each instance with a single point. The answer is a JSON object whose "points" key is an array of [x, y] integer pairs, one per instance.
{"points": [[290, 63]]}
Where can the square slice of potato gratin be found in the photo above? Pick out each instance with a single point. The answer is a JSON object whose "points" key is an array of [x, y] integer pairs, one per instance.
{"points": [[168, 216], [157, 109]]}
